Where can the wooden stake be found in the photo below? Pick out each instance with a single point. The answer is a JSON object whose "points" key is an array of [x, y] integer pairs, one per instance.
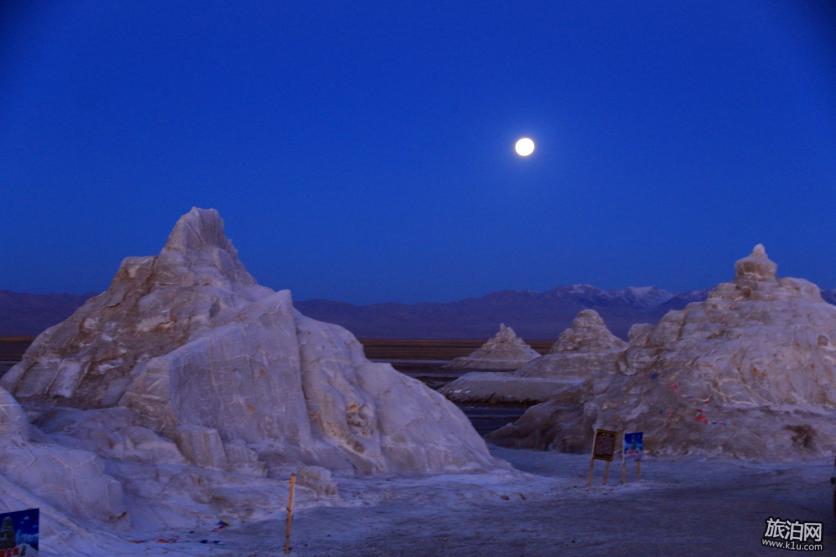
{"points": [[638, 470], [623, 471], [606, 471], [289, 523], [591, 470]]}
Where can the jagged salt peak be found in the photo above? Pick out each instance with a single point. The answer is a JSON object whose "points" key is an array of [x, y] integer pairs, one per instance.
{"points": [[756, 266], [230, 372], [504, 351], [199, 229], [588, 333], [506, 335], [198, 242], [507, 344]]}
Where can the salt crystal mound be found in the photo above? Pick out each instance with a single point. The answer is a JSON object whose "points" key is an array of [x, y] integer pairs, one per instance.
{"points": [[68, 478], [750, 373], [505, 351], [230, 371], [587, 346], [581, 362]]}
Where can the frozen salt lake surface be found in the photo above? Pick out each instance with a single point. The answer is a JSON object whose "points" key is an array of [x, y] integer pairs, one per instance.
{"points": [[682, 506]]}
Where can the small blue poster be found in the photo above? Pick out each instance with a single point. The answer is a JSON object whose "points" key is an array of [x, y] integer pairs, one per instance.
{"points": [[19, 533], [633, 446]]}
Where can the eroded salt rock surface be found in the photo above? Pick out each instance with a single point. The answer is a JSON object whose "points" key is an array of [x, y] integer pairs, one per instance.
{"points": [[504, 351], [750, 372], [581, 362], [13, 423], [72, 479], [227, 374]]}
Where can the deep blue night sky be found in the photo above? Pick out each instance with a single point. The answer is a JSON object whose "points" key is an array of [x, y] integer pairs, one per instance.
{"points": [[363, 152]]}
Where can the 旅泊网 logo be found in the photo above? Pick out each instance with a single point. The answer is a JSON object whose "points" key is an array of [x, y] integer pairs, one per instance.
{"points": [[793, 535]]}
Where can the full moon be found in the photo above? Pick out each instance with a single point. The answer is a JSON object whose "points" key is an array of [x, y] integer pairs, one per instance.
{"points": [[524, 146]]}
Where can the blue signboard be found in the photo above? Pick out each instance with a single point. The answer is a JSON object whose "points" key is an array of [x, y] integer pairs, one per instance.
{"points": [[633, 446], [19, 532]]}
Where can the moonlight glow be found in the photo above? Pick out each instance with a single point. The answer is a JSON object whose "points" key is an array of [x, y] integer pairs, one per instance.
{"points": [[524, 146]]}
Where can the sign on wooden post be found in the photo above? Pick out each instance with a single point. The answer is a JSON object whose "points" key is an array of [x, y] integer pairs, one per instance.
{"points": [[19, 532], [633, 450], [603, 448]]}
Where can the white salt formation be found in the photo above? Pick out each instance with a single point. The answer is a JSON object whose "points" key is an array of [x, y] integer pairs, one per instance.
{"points": [[581, 362], [750, 372], [188, 358], [65, 478], [505, 351], [585, 346]]}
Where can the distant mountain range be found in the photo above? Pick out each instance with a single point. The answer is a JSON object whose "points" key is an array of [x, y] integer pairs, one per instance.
{"points": [[533, 315]]}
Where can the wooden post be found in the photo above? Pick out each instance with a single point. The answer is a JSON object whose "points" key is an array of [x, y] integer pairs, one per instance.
{"points": [[638, 470], [606, 471], [623, 470], [289, 523], [591, 471]]}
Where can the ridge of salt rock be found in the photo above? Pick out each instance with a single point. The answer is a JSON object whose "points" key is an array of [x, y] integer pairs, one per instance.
{"points": [[504, 351], [581, 362], [750, 372], [185, 348]]}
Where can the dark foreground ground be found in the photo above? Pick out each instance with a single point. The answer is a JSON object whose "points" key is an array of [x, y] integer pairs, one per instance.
{"points": [[687, 507]]}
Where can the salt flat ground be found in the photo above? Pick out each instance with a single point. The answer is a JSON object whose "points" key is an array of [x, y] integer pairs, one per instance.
{"points": [[682, 506]]}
